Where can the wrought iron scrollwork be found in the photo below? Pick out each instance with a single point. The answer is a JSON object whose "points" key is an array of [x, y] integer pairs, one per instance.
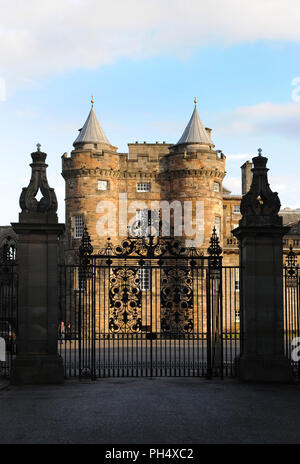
{"points": [[177, 300], [291, 263], [178, 270], [125, 300], [149, 247]]}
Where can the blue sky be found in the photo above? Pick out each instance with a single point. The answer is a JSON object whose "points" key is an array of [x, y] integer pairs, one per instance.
{"points": [[144, 76]]}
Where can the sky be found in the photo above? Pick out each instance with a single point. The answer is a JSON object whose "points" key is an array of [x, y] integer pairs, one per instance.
{"points": [[144, 62]]}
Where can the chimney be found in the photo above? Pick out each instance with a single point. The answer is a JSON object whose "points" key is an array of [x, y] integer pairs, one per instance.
{"points": [[246, 177]]}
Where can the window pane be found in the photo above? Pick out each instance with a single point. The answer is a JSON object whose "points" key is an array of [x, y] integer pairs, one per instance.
{"points": [[216, 187], [78, 226], [143, 187]]}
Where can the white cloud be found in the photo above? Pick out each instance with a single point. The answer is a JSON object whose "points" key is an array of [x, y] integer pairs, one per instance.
{"points": [[2, 89], [50, 36], [233, 184], [237, 156], [263, 118], [288, 189]]}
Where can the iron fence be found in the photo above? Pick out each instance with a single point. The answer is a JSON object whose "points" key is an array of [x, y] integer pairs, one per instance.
{"points": [[149, 309], [291, 311], [8, 315]]}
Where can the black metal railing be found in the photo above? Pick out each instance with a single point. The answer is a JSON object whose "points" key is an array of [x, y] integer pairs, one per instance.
{"points": [[8, 313], [291, 311], [149, 308]]}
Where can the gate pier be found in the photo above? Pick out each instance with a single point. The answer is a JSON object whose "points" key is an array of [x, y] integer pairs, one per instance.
{"points": [[37, 360], [260, 235]]}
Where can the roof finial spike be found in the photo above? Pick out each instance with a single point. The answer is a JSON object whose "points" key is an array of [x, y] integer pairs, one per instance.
{"points": [[259, 151], [92, 100], [38, 145], [195, 100]]}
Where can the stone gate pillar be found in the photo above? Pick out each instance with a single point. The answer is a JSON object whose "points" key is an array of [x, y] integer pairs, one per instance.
{"points": [[37, 359], [260, 235]]}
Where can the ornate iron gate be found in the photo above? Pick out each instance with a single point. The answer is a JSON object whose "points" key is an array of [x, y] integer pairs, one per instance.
{"points": [[8, 309], [149, 307], [291, 283]]}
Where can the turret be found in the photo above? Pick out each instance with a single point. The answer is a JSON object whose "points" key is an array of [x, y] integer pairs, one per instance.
{"points": [[91, 175], [196, 173]]}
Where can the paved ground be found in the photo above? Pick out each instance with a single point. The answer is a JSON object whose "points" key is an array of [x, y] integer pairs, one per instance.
{"points": [[161, 411]]}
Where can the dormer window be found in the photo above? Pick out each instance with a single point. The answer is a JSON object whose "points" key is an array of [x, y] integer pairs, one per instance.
{"points": [[143, 187]]}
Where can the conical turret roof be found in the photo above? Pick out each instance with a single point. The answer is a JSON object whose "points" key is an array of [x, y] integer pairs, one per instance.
{"points": [[91, 132], [195, 131]]}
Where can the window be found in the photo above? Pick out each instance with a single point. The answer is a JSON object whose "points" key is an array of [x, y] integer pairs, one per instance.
{"points": [[237, 280], [144, 276], [217, 225], [216, 187], [102, 185], [237, 315], [236, 209], [78, 226], [143, 187]]}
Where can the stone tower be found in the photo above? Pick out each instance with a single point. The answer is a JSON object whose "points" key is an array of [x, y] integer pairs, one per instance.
{"points": [[196, 172], [93, 162], [99, 180]]}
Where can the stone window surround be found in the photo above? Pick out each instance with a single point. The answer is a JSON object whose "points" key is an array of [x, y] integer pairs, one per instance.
{"points": [[107, 185]]}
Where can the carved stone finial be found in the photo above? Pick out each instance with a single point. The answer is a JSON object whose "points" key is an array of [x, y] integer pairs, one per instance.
{"points": [[38, 182], [260, 201], [38, 145]]}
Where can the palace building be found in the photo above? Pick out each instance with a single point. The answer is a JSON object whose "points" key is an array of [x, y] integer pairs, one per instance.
{"points": [[98, 177], [187, 175], [109, 193]]}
